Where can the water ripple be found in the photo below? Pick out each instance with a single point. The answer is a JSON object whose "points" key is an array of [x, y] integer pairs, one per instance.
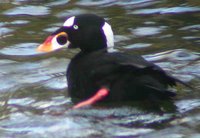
{"points": [[57, 3], [4, 31], [20, 49], [148, 31], [182, 63], [173, 55], [41, 73], [167, 10], [26, 10], [137, 45], [191, 27]]}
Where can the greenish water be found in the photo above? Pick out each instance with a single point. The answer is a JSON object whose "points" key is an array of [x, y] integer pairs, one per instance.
{"points": [[33, 90]]}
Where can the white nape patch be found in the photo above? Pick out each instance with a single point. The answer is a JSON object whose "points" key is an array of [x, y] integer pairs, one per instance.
{"points": [[69, 22], [109, 36]]}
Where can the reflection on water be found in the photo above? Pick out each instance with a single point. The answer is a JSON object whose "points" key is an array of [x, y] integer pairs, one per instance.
{"points": [[20, 49], [38, 10], [165, 10], [33, 88]]}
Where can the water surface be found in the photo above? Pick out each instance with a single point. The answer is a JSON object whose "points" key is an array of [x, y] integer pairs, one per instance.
{"points": [[33, 89]]}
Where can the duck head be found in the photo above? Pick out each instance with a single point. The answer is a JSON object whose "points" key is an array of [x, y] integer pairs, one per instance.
{"points": [[88, 32]]}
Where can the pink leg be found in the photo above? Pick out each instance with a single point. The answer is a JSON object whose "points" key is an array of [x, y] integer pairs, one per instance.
{"points": [[100, 94]]}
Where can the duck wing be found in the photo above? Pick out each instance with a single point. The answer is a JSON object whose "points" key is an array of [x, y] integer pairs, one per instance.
{"points": [[133, 69]]}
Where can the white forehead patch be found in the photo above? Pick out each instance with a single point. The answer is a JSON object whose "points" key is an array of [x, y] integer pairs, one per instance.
{"points": [[109, 35], [69, 22]]}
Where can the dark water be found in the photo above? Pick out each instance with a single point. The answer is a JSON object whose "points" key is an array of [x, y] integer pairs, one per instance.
{"points": [[33, 90]]}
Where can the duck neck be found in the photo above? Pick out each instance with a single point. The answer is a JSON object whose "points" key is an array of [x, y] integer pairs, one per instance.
{"points": [[90, 48], [82, 54]]}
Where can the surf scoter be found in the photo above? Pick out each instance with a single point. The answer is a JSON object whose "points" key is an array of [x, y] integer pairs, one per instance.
{"points": [[95, 74]]}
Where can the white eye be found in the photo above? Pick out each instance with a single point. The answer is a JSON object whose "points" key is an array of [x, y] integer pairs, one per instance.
{"points": [[75, 27], [69, 22]]}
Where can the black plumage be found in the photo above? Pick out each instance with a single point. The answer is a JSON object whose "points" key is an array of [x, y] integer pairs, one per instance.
{"points": [[128, 77]]}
